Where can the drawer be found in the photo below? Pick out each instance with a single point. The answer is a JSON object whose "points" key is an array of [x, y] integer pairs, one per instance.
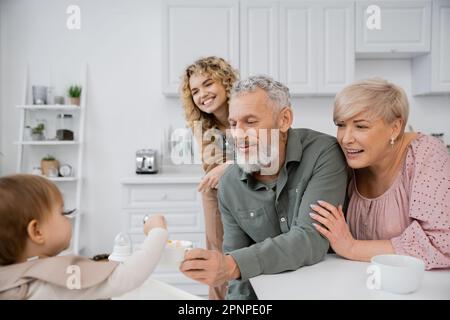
{"points": [[188, 219], [139, 196]]}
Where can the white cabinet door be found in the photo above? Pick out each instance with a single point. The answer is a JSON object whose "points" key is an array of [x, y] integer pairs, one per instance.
{"points": [[336, 49], [317, 46], [298, 47], [194, 29], [431, 73], [405, 28], [441, 47], [259, 38]]}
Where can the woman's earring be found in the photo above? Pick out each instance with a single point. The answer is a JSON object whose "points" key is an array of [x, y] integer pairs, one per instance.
{"points": [[392, 141]]}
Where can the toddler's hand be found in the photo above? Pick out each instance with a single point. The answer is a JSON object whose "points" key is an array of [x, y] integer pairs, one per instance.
{"points": [[155, 221]]}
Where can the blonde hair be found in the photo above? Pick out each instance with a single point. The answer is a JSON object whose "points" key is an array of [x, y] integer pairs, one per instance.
{"points": [[219, 70], [380, 98], [23, 198]]}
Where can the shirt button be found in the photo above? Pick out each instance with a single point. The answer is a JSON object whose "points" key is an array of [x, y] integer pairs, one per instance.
{"points": [[283, 219], [296, 190], [252, 214]]}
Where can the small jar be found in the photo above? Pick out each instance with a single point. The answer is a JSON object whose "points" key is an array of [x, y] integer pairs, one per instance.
{"points": [[64, 127], [50, 97], [27, 133]]}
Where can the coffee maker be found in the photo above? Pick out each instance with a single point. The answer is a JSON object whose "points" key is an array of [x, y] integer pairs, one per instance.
{"points": [[146, 162]]}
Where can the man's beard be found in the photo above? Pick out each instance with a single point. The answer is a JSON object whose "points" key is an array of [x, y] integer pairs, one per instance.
{"points": [[261, 163]]}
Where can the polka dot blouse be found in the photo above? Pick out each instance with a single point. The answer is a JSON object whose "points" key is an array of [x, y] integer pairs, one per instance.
{"points": [[414, 213]]}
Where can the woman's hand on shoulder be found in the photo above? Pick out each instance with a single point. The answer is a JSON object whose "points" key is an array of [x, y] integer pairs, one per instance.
{"points": [[211, 179], [334, 227]]}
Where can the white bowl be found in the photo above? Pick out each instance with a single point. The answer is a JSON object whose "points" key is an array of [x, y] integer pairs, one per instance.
{"points": [[399, 274], [173, 254]]}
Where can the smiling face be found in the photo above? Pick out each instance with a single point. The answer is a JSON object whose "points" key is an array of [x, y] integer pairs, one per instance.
{"points": [[364, 140], [208, 94], [250, 112]]}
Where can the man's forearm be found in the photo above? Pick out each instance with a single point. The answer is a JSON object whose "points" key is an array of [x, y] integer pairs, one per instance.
{"points": [[287, 251]]}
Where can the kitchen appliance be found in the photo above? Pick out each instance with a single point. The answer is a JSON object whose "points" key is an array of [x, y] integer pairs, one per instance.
{"points": [[146, 162]]}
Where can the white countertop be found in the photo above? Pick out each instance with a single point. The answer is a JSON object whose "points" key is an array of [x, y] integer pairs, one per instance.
{"points": [[153, 289], [172, 174], [338, 278], [161, 178]]}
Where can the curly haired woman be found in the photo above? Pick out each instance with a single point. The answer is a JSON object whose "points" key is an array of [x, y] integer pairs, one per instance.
{"points": [[205, 92]]}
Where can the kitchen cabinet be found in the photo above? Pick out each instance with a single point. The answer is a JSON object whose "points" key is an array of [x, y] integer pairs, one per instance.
{"points": [[194, 29], [259, 38], [309, 46], [176, 196], [405, 29], [336, 46], [298, 57], [431, 73], [316, 46]]}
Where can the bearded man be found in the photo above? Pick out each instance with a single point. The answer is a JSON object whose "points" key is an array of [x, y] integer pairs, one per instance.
{"points": [[265, 198]]}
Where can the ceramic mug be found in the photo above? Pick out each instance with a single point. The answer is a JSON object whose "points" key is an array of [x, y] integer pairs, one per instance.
{"points": [[396, 273]]}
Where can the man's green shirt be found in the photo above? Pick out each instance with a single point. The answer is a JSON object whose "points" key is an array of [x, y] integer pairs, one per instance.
{"points": [[268, 230]]}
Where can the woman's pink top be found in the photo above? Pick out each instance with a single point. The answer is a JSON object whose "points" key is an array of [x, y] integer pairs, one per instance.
{"points": [[414, 213]]}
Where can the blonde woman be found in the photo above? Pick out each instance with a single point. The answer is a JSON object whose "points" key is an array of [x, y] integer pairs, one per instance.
{"points": [[399, 194], [205, 91]]}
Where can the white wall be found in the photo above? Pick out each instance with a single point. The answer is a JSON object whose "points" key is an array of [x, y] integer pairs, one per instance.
{"points": [[121, 42], [1, 87], [430, 114]]}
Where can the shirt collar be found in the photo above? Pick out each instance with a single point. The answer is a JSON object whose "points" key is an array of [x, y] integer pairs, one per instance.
{"points": [[294, 147]]}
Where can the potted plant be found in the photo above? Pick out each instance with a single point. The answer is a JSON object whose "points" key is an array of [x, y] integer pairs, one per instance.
{"points": [[37, 133], [49, 166], [74, 94]]}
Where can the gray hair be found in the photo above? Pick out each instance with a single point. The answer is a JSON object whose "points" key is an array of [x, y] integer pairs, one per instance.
{"points": [[276, 91]]}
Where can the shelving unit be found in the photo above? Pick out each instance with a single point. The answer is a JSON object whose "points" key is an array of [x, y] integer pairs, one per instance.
{"points": [[47, 143], [30, 152], [63, 179], [57, 107]]}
